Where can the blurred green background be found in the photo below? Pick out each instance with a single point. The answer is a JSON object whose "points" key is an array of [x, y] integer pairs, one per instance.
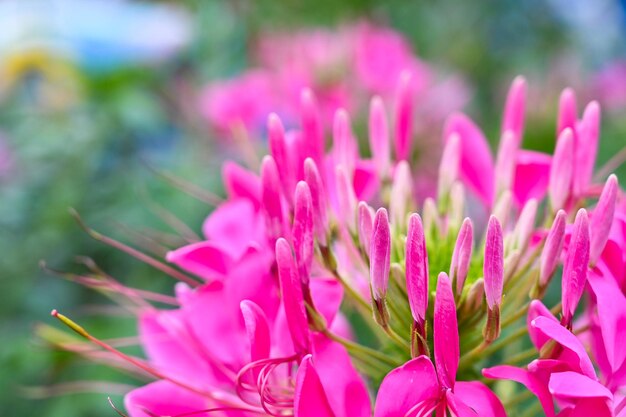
{"points": [[87, 117]]}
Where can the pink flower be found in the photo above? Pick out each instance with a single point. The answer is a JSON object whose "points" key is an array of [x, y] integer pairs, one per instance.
{"points": [[417, 389]]}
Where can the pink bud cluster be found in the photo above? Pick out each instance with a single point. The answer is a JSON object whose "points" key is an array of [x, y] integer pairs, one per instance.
{"points": [[322, 233]]}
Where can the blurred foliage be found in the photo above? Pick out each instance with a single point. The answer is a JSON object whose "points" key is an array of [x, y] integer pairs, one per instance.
{"points": [[85, 138]]}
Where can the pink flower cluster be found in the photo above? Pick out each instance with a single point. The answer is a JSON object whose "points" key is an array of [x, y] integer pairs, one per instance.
{"points": [[343, 68], [297, 247]]}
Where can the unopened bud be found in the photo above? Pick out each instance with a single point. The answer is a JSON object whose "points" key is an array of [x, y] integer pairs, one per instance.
{"points": [[506, 162], [462, 256], [551, 253], [318, 199], [379, 136], [401, 194], [561, 170], [602, 219], [404, 118], [380, 255], [365, 226]]}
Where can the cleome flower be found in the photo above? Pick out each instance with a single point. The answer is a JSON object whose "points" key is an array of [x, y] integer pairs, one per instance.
{"points": [[323, 284]]}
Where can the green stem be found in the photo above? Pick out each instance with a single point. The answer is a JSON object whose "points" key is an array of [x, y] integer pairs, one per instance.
{"points": [[360, 349], [521, 357]]}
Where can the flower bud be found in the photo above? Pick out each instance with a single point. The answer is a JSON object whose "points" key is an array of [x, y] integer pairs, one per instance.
{"points": [[502, 209], [493, 271], [449, 166], [506, 162], [576, 264], [493, 268], [551, 252], [462, 256], [379, 136], [474, 299], [347, 199], [513, 119], [345, 147], [318, 200], [365, 225], [525, 225], [302, 231], [417, 270], [271, 199], [561, 170], [586, 148], [291, 290], [457, 206], [431, 221], [401, 194], [280, 152], [567, 114], [312, 132], [404, 118], [380, 255], [602, 219]]}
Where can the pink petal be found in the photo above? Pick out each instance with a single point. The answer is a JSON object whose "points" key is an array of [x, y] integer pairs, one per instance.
{"points": [[291, 290], [204, 259], [233, 226], [404, 118], [417, 269], [258, 330], [380, 254], [574, 385], [337, 374], [446, 334], [310, 400], [576, 265], [164, 399], [479, 398], [514, 109], [327, 295], [365, 181], [530, 381], [532, 173], [405, 387], [379, 136], [163, 338], [537, 309], [241, 183], [456, 407], [595, 407], [476, 160], [493, 268], [564, 337], [611, 305]]}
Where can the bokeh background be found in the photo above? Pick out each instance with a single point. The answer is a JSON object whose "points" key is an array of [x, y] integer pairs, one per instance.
{"points": [[101, 110]]}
